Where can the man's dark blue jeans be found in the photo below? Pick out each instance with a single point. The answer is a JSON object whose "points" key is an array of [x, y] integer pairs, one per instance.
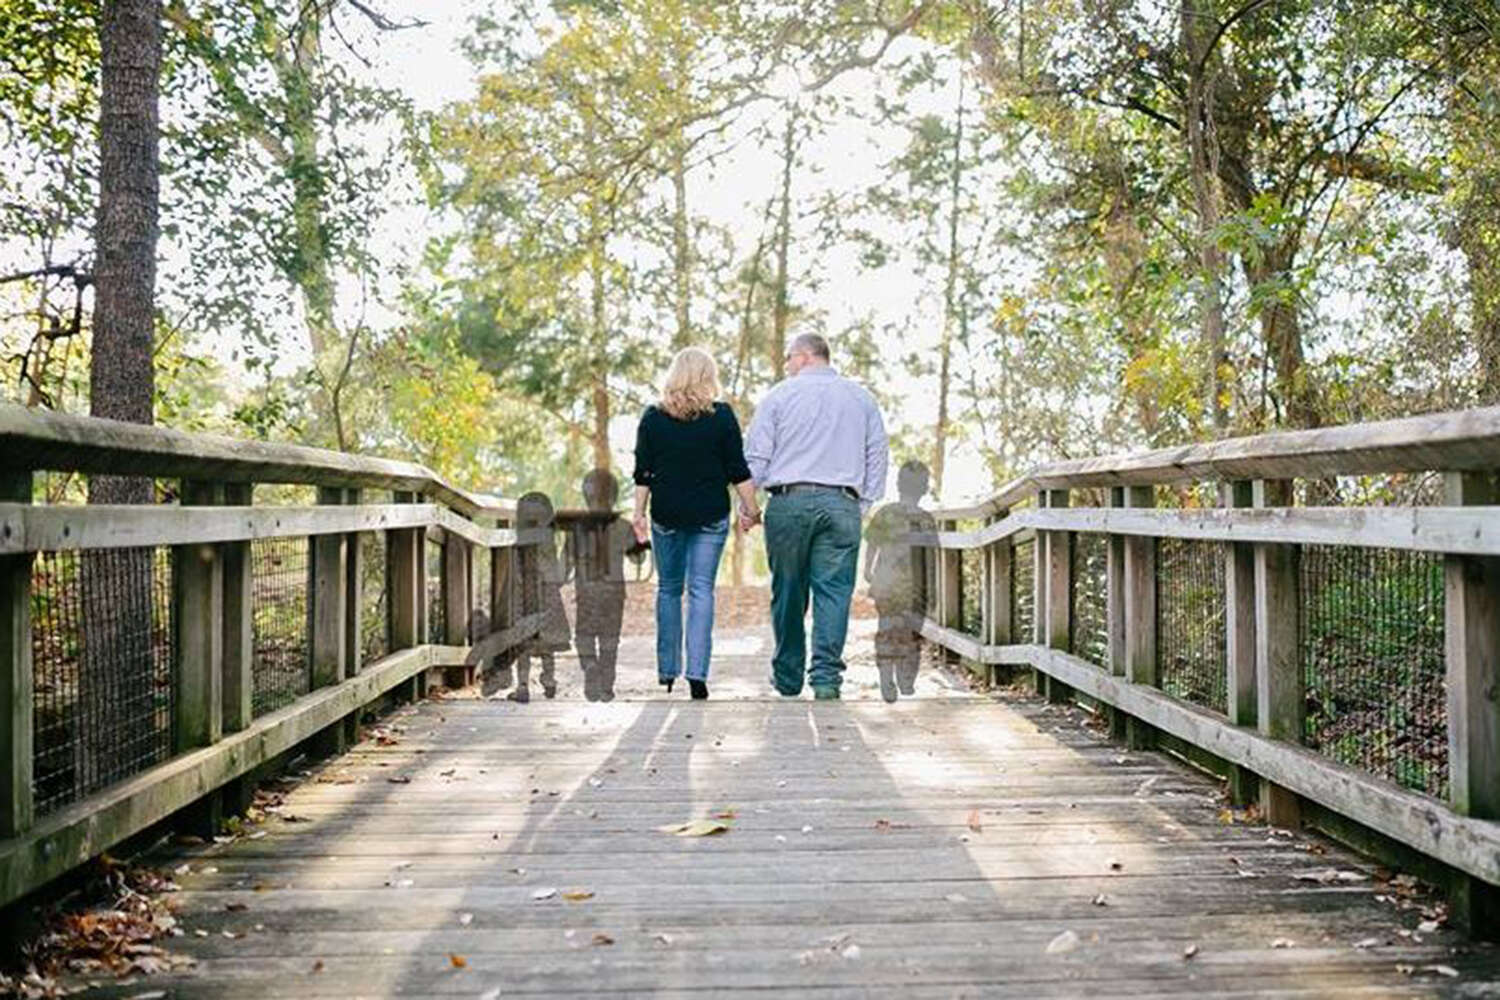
{"points": [[812, 543]]}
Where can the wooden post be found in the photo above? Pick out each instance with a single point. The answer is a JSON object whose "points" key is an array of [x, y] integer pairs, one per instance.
{"points": [[405, 587], [950, 588], [328, 613], [1039, 588], [16, 696], [354, 587], [999, 576], [458, 563], [1141, 665], [1114, 580], [1472, 642], [503, 609], [198, 626], [239, 627], [1059, 587], [1280, 697], [1239, 619]]}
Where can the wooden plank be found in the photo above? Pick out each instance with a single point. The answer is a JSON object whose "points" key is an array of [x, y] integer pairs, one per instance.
{"points": [[78, 832], [99, 526], [458, 564], [1239, 625], [327, 602], [1000, 599], [238, 643], [1280, 704], [1472, 649], [16, 693], [1141, 661], [33, 438], [1466, 843], [198, 629]]}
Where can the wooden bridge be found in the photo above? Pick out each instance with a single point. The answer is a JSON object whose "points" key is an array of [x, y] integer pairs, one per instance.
{"points": [[1314, 617]]}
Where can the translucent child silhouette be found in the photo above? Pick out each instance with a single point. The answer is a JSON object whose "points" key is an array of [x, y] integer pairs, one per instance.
{"points": [[542, 579], [596, 552], [895, 571]]}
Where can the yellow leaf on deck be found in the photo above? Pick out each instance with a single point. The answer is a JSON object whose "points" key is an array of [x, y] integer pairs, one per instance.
{"points": [[696, 828]]}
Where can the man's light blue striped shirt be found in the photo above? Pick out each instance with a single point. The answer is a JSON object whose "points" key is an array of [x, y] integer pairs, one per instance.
{"points": [[819, 427]]}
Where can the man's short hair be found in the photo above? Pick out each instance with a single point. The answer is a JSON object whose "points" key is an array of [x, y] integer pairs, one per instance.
{"points": [[812, 343]]}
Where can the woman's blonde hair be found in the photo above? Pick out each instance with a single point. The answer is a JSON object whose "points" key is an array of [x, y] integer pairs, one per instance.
{"points": [[692, 384]]}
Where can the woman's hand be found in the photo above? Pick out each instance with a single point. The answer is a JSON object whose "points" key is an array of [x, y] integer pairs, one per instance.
{"points": [[642, 527], [749, 517]]}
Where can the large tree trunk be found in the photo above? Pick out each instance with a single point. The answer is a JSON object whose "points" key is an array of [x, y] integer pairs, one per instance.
{"points": [[1197, 18], [599, 338], [117, 691]]}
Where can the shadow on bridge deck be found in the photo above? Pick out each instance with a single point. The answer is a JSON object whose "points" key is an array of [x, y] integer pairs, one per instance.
{"points": [[949, 845]]}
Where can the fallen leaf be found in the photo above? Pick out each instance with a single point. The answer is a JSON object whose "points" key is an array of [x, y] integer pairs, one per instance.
{"points": [[235, 907], [1428, 927], [851, 952], [318, 966], [1099, 900], [1062, 944], [956, 897], [465, 919], [974, 823], [542, 894], [696, 828], [399, 779], [1367, 943], [1282, 943], [577, 895], [1116, 866], [602, 938], [1189, 951], [458, 961], [1442, 970], [726, 814]]}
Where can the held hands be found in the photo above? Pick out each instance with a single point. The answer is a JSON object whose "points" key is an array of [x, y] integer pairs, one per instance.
{"points": [[749, 518], [642, 528]]}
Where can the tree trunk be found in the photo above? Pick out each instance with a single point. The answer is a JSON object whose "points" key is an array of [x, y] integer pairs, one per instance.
{"points": [[1198, 115], [779, 315], [1478, 233], [117, 691], [681, 250], [950, 304], [600, 339], [1281, 335]]}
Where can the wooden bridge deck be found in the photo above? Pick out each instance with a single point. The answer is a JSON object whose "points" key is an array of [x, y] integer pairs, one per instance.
{"points": [[949, 845]]}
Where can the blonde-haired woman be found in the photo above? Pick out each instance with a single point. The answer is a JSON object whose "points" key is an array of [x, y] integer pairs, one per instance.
{"points": [[687, 451]]}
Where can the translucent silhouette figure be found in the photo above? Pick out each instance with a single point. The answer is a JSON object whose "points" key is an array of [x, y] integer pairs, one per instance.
{"points": [[543, 583], [895, 571], [597, 549]]}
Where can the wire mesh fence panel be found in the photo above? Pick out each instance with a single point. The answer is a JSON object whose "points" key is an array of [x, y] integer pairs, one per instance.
{"points": [[374, 619], [102, 657], [1023, 592], [479, 618], [1372, 647], [970, 572], [279, 617], [1191, 626], [1091, 598], [437, 619]]}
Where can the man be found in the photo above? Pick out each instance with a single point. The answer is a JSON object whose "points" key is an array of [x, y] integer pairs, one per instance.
{"points": [[818, 446]]}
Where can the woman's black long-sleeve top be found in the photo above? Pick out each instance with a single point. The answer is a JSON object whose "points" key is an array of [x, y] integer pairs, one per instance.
{"points": [[687, 463]]}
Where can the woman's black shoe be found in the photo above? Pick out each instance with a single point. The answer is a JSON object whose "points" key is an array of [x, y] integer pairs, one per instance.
{"points": [[698, 688], [667, 683]]}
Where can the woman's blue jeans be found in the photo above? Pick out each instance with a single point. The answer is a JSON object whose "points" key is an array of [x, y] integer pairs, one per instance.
{"points": [[686, 557]]}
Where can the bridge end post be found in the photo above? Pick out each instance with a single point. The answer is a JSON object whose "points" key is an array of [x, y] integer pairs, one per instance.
{"points": [[1472, 650], [16, 697], [1141, 665], [1239, 623], [1281, 702]]}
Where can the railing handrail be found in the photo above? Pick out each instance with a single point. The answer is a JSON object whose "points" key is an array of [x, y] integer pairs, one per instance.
{"points": [[42, 440], [1458, 440]]}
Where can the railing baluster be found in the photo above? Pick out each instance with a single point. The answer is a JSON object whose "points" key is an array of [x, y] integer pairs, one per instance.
{"points": [[328, 614], [1239, 632], [1059, 586], [1000, 571], [238, 686], [1472, 634], [1039, 590], [1114, 573], [1141, 666], [1280, 705], [198, 625], [405, 582], [503, 595], [16, 696]]}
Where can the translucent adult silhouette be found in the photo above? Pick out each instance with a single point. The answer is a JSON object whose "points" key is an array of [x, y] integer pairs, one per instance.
{"points": [[895, 571], [542, 579], [597, 549]]}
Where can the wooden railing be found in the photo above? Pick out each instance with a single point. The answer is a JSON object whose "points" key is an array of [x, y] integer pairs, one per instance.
{"points": [[1338, 663], [137, 709]]}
